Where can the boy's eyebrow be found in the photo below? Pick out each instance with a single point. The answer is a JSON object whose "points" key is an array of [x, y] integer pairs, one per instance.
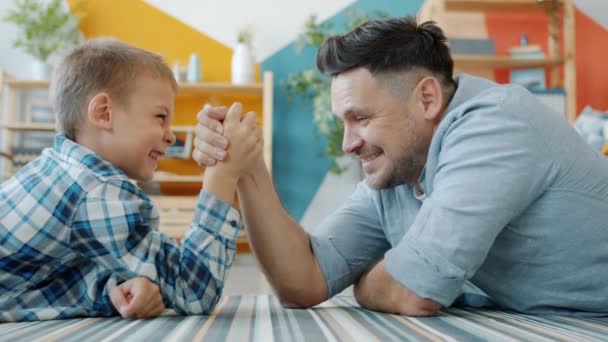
{"points": [[162, 107]]}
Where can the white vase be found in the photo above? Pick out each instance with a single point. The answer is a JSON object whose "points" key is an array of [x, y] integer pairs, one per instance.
{"points": [[41, 70], [242, 65]]}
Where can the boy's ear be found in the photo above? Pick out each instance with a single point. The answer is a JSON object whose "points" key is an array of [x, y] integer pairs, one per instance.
{"points": [[431, 98], [99, 111]]}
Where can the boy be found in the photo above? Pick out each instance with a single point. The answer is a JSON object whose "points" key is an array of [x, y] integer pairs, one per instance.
{"points": [[73, 225]]}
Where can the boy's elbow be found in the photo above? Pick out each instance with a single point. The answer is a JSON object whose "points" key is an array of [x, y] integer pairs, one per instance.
{"points": [[203, 304]]}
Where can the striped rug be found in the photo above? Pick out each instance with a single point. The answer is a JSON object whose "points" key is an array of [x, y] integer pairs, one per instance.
{"points": [[261, 318]]}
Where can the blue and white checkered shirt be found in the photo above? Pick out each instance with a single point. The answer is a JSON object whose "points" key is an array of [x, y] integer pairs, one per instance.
{"points": [[72, 226]]}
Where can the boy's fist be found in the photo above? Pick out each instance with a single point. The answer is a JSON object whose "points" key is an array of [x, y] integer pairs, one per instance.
{"points": [[137, 298]]}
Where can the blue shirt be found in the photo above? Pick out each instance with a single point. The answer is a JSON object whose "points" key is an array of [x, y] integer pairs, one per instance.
{"points": [[72, 226], [514, 204]]}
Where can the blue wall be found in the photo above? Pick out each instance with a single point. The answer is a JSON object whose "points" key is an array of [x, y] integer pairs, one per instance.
{"points": [[298, 162]]}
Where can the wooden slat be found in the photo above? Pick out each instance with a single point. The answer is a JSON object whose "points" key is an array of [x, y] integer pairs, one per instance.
{"points": [[500, 5], [183, 88], [482, 61]]}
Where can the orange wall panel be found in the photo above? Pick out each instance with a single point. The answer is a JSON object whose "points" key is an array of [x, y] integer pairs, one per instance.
{"points": [[591, 49]]}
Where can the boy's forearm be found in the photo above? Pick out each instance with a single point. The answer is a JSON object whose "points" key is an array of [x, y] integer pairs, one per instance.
{"points": [[220, 185]]}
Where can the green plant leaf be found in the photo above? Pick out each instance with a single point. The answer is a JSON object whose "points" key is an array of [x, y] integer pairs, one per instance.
{"points": [[45, 28]]}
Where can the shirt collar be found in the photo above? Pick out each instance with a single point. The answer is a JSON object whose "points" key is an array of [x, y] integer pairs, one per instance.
{"points": [[76, 154]]}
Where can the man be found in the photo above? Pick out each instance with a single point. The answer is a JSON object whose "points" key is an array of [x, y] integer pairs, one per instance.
{"points": [[474, 193]]}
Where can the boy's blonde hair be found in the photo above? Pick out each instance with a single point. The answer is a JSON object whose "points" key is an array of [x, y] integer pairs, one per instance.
{"points": [[100, 65]]}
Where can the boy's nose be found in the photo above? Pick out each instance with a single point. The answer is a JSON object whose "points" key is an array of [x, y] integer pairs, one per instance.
{"points": [[170, 137]]}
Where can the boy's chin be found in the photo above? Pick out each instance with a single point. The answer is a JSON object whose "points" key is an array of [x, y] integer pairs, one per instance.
{"points": [[143, 178]]}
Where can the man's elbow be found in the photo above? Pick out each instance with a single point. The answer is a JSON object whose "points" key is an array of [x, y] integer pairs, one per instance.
{"points": [[300, 299]]}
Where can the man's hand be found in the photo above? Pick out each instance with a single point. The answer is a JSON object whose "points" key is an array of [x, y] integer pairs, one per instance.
{"points": [[245, 146], [377, 290], [210, 144], [137, 298]]}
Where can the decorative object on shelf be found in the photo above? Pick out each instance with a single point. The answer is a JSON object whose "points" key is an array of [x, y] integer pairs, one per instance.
{"points": [[592, 125], [243, 63], [469, 46], [182, 148], [309, 85], [39, 113], [46, 28], [529, 78], [23, 155], [194, 74]]}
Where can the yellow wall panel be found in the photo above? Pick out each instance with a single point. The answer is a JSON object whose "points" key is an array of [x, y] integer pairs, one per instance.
{"points": [[140, 24]]}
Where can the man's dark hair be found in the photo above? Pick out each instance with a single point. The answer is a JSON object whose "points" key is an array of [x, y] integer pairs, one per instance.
{"points": [[388, 45]]}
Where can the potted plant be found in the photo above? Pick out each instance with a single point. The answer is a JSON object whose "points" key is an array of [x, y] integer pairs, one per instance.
{"points": [[312, 86], [45, 28]]}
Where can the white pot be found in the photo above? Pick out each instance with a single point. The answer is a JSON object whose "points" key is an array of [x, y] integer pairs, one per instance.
{"points": [[41, 70], [242, 65]]}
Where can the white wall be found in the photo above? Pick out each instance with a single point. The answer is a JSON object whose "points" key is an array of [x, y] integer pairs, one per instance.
{"points": [[596, 9], [275, 22]]}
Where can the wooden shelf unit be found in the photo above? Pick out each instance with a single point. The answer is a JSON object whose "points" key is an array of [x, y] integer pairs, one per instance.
{"points": [[556, 58], [263, 89], [176, 211]]}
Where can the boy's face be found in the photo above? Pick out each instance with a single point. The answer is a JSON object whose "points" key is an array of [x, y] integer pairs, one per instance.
{"points": [[142, 128]]}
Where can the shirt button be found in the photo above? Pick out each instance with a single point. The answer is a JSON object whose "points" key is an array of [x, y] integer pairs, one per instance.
{"points": [[232, 223]]}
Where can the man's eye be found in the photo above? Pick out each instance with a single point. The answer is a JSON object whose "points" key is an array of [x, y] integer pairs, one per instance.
{"points": [[163, 117]]}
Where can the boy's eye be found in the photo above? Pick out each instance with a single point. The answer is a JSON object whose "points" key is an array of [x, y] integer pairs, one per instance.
{"points": [[163, 117]]}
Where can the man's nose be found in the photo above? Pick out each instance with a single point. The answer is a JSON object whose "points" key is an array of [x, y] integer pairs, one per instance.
{"points": [[351, 142]]}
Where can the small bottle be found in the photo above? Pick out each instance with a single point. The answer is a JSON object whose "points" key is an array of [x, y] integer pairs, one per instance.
{"points": [[194, 69], [523, 39]]}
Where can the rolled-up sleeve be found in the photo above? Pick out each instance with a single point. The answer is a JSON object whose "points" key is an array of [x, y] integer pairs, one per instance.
{"points": [[349, 241], [483, 175]]}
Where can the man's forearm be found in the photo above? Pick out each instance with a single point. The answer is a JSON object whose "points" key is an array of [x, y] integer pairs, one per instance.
{"points": [[279, 242], [377, 290]]}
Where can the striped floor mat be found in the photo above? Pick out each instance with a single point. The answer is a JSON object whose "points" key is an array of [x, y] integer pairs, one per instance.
{"points": [[261, 318]]}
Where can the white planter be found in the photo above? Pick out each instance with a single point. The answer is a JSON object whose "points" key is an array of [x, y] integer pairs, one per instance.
{"points": [[242, 65], [41, 70]]}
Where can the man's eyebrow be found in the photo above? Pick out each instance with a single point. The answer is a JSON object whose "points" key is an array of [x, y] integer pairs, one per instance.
{"points": [[354, 111]]}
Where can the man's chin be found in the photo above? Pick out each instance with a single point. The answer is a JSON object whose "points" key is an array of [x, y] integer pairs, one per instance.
{"points": [[373, 183]]}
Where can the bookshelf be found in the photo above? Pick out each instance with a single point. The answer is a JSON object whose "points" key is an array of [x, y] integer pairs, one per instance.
{"points": [[558, 58]]}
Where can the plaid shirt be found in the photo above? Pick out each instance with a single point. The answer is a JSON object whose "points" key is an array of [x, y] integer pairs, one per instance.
{"points": [[72, 226]]}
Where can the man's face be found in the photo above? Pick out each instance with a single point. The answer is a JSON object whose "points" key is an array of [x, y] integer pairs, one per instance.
{"points": [[381, 128]]}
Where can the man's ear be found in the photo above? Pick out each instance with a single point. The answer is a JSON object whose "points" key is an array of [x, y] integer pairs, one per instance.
{"points": [[430, 97], [99, 111]]}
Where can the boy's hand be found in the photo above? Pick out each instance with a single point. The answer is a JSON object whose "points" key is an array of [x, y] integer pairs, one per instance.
{"points": [[245, 145], [138, 298]]}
